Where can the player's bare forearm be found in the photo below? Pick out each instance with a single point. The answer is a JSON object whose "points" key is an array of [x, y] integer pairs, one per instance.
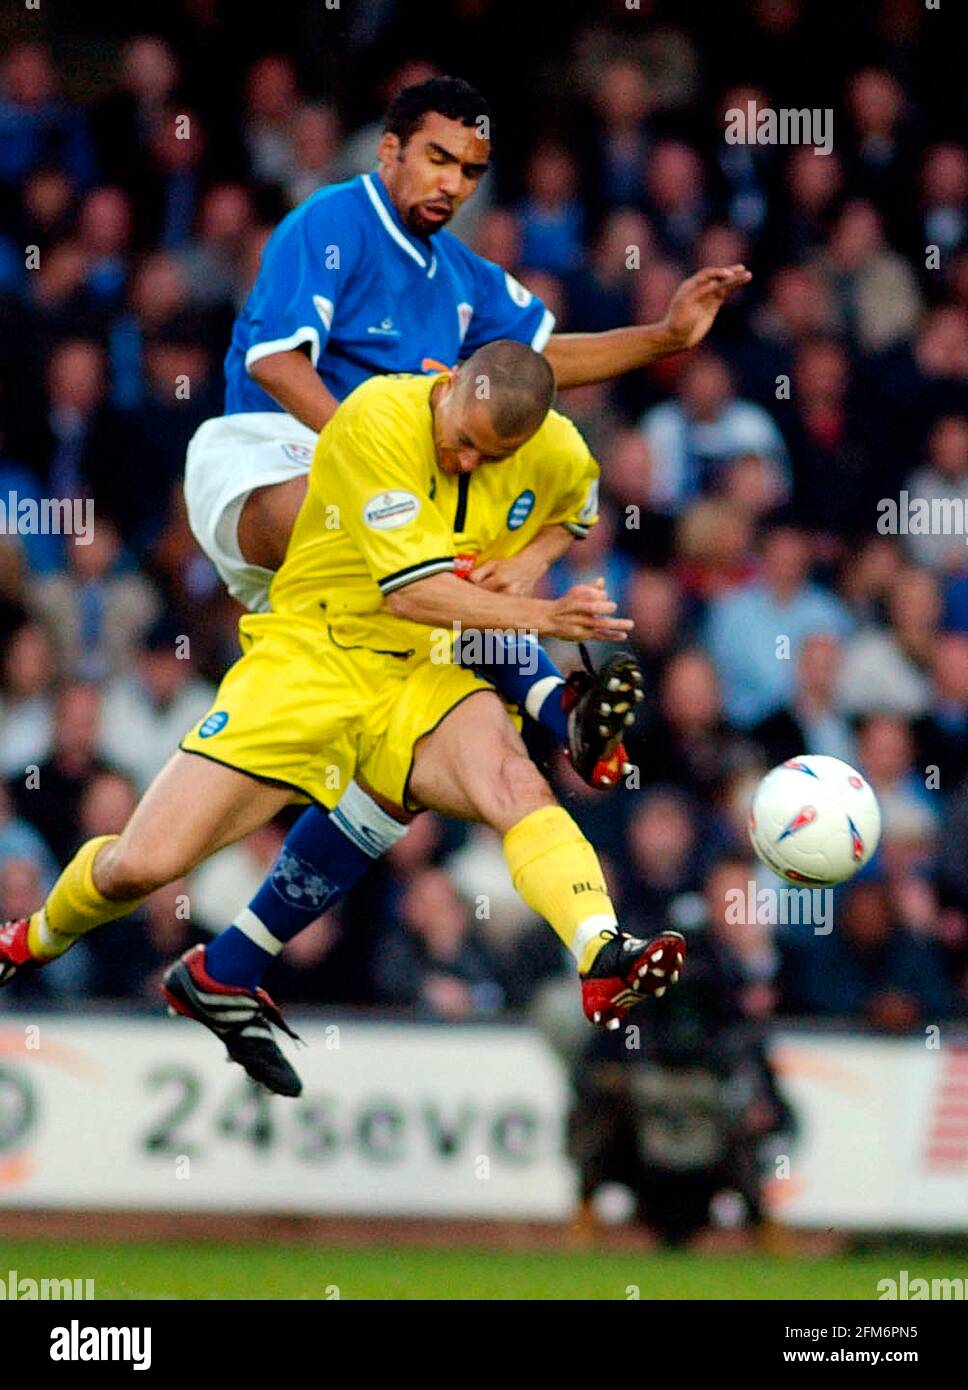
{"points": [[518, 574], [583, 613], [292, 380], [580, 359]]}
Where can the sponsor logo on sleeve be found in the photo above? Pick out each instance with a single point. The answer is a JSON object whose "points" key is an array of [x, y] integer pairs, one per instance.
{"points": [[388, 511]]}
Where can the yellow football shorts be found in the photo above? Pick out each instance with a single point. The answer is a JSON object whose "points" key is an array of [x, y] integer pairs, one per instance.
{"points": [[299, 710]]}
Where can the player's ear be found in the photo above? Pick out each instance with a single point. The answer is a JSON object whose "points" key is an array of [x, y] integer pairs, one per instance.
{"points": [[389, 148]]}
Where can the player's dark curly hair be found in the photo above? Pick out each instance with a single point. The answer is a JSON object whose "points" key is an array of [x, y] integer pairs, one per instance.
{"points": [[448, 96]]}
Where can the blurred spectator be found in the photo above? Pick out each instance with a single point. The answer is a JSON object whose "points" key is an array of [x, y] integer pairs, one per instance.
{"points": [[944, 201], [666, 857], [675, 195], [694, 437], [621, 105], [181, 391], [97, 610], [740, 945], [941, 734], [157, 292], [867, 578], [655, 605], [87, 446], [688, 743], [49, 796], [145, 712], [125, 118], [272, 96], [20, 841], [212, 263], [815, 721], [315, 144], [125, 959], [600, 291], [923, 378], [886, 667], [434, 963], [49, 206], [879, 162], [877, 292], [626, 463], [943, 484], [104, 231], [168, 192], [909, 810], [499, 239], [832, 443], [36, 126], [714, 543], [551, 216], [755, 634], [814, 184], [754, 485], [868, 968], [746, 168], [26, 699]]}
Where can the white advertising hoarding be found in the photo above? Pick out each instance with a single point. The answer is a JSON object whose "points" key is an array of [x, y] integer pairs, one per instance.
{"points": [[407, 1119], [396, 1119]]}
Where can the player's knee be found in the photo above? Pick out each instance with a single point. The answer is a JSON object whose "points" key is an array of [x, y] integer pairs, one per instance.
{"points": [[518, 787]]}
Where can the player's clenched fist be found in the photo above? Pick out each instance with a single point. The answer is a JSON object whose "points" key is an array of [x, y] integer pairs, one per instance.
{"points": [[585, 613]]}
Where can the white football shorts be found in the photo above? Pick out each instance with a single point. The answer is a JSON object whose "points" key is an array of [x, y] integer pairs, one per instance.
{"points": [[228, 458]]}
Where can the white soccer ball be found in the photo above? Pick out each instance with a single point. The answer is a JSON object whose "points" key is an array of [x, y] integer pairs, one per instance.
{"points": [[814, 821]]}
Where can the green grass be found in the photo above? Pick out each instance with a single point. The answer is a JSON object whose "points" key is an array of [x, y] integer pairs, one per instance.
{"points": [[226, 1271]]}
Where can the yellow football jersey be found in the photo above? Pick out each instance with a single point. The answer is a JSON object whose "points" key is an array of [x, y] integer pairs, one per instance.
{"points": [[379, 513]]}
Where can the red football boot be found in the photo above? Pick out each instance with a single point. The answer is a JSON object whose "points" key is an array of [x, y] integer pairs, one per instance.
{"points": [[628, 970]]}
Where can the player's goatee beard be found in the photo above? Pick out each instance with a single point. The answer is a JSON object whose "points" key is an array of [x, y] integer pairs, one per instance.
{"points": [[417, 226]]}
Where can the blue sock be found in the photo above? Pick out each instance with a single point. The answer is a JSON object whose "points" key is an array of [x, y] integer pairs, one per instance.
{"points": [[323, 857], [524, 674]]}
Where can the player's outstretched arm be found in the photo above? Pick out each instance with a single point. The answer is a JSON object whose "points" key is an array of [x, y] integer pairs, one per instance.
{"points": [[579, 359], [585, 613]]}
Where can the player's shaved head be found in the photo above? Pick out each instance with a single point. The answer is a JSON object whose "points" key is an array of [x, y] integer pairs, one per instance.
{"points": [[491, 406], [514, 383]]}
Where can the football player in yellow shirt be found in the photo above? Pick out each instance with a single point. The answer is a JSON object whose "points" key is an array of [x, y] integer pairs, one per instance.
{"points": [[352, 673]]}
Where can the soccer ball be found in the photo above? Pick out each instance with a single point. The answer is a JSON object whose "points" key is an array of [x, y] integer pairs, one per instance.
{"points": [[814, 821]]}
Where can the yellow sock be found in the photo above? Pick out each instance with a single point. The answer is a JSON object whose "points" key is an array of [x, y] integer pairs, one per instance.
{"points": [[558, 875], [74, 906]]}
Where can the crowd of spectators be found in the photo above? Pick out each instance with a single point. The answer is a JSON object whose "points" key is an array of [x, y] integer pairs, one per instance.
{"points": [[741, 483]]}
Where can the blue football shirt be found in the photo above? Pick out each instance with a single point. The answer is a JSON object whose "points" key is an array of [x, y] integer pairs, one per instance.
{"points": [[343, 278]]}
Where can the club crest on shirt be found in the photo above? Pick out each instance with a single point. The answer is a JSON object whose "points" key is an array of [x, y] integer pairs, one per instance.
{"points": [[388, 511], [213, 725], [520, 509]]}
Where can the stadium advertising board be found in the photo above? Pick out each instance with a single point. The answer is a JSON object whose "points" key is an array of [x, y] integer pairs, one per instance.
{"points": [[414, 1120]]}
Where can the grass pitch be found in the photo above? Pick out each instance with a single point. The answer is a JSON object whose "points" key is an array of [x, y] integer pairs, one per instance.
{"points": [[263, 1271]]}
